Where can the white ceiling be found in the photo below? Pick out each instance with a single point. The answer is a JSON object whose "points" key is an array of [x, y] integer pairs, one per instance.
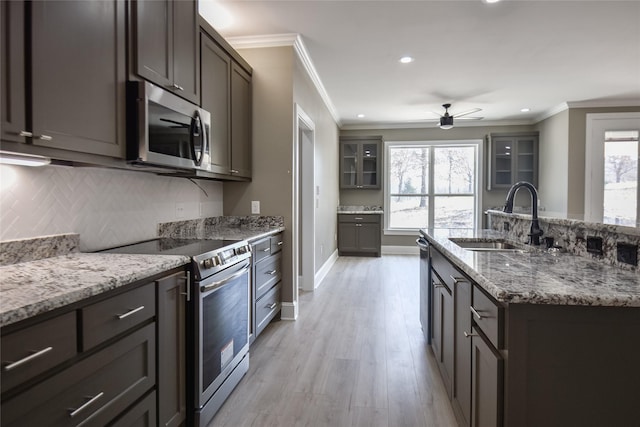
{"points": [[542, 55]]}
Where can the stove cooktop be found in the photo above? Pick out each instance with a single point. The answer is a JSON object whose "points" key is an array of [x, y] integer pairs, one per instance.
{"points": [[167, 246]]}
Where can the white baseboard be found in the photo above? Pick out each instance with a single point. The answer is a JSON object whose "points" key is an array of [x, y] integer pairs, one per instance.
{"points": [[326, 267], [400, 250], [289, 311]]}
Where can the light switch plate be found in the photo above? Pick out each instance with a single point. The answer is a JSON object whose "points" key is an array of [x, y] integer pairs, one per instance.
{"points": [[255, 207]]}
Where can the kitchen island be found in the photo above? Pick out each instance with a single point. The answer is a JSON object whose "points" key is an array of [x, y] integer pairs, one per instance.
{"points": [[527, 337]]}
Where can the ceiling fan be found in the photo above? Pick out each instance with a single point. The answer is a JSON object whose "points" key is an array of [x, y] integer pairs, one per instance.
{"points": [[446, 120]]}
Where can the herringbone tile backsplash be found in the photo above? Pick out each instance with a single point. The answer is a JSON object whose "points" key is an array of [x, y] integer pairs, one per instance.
{"points": [[106, 207]]}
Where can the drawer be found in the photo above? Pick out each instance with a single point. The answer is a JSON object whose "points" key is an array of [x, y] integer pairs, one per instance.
{"points": [[267, 307], [143, 414], [488, 316], [93, 391], [373, 218], [261, 249], [108, 318], [276, 244], [267, 274], [33, 350]]}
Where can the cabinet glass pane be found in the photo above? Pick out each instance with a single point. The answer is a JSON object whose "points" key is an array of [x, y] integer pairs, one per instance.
{"points": [[349, 150], [503, 178], [525, 162], [503, 148], [525, 146], [525, 176]]}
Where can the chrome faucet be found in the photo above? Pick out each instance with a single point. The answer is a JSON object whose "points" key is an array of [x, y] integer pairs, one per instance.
{"points": [[536, 232]]}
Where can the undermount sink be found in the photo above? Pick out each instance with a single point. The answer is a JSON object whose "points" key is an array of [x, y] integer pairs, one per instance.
{"points": [[486, 246]]}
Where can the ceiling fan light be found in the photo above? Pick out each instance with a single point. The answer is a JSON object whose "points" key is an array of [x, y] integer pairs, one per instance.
{"points": [[446, 122]]}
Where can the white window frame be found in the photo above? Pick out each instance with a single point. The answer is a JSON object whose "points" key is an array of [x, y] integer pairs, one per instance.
{"points": [[478, 143]]}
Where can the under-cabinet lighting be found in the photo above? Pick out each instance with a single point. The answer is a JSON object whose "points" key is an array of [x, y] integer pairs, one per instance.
{"points": [[19, 159]]}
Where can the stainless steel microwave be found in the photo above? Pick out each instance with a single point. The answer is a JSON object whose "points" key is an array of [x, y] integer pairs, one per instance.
{"points": [[166, 130]]}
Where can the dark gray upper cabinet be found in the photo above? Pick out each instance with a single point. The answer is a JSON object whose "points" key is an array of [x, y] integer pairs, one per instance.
{"points": [[360, 159], [512, 158], [12, 71], [226, 94], [215, 98], [74, 98], [241, 122], [165, 45]]}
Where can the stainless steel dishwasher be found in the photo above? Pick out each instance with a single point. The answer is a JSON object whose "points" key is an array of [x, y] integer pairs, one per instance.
{"points": [[425, 287]]}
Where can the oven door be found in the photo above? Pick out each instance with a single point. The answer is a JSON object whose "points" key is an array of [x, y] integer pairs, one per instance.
{"points": [[222, 323]]}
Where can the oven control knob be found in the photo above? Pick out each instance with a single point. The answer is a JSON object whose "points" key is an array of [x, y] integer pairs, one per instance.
{"points": [[241, 250], [216, 260], [207, 263]]}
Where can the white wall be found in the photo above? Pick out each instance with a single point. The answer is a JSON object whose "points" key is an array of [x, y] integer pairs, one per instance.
{"points": [[106, 207]]}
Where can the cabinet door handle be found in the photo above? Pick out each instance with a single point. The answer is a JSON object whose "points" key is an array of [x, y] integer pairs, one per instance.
{"points": [[74, 412], [469, 335], [266, 249], [475, 313], [27, 359], [233, 171], [176, 87], [187, 283], [280, 243], [25, 133], [129, 313], [272, 272], [44, 137], [358, 225], [272, 306], [457, 280]]}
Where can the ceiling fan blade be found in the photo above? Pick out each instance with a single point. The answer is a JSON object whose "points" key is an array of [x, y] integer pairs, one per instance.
{"points": [[469, 118], [464, 113]]}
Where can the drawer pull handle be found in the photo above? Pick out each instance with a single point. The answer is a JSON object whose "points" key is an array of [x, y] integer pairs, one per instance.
{"points": [[360, 218], [74, 412], [27, 359], [130, 312], [266, 250], [44, 137], [358, 225], [187, 284], [25, 133], [234, 171], [272, 272], [457, 280], [438, 285], [469, 335], [272, 306], [280, 243], [475, 313]]}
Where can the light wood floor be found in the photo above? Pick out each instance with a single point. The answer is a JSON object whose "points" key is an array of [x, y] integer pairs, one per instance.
{"points": [[355, 357]]}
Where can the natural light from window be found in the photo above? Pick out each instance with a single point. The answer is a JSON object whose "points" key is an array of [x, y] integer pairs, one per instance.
{"points": [[431, 185], [621, 178]]}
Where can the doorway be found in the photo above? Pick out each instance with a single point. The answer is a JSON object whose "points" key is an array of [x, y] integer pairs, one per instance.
{"points": [[304, 202], [612, 190]]}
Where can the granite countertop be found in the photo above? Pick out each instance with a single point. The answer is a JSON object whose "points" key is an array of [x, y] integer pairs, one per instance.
{"points": [[35, 287], [534, 276], [360, 210]]}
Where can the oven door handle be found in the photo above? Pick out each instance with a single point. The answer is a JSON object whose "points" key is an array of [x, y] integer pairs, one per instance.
{"points": [[222, 282]]}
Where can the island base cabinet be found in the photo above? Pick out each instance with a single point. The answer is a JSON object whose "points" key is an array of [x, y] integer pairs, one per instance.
{"points": [[442, 334], [572, 366], [486, 383]]}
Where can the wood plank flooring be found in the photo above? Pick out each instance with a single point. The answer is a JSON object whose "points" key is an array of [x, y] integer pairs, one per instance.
{"points": [[356, 356]]}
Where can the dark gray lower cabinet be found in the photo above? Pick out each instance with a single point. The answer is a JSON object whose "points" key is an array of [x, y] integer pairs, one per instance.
{"points": [[359, 234], [265, 283], [462, 360], [442, 331], [172, 399], [486, 379], [95, 361]]}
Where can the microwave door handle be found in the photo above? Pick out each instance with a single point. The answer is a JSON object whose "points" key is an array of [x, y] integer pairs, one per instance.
{"points": [[192, 142]]}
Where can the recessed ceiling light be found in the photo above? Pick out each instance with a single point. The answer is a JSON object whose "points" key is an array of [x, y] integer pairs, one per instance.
{"points": [[360, 116], [406, 59], [491, 1], [525, 110]]}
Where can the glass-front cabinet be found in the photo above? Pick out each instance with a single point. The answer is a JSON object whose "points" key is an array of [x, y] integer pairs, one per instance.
{"points": [[360, 162], [512, 158]]}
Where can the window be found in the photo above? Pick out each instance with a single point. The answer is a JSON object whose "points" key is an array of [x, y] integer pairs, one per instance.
{"points": [[621, 178], [431, 185]]}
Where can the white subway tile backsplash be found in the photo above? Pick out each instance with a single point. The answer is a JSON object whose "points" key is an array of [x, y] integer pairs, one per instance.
{"points": [[106, 207]]}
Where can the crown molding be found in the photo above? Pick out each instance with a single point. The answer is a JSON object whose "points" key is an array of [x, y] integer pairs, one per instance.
{"points": [[434, 125], [294, 40]]}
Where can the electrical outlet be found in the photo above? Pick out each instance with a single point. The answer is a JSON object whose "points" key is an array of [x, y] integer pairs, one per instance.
{"points": [[255, 207], [179, 210]]}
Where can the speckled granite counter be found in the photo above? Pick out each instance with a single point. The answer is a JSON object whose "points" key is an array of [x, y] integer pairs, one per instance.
{"points": [[360, 210], [224, 228], [32, 288], [537, 277]]}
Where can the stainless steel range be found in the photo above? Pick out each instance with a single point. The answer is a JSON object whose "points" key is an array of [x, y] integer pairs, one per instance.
{"points": [[218, 317]]}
